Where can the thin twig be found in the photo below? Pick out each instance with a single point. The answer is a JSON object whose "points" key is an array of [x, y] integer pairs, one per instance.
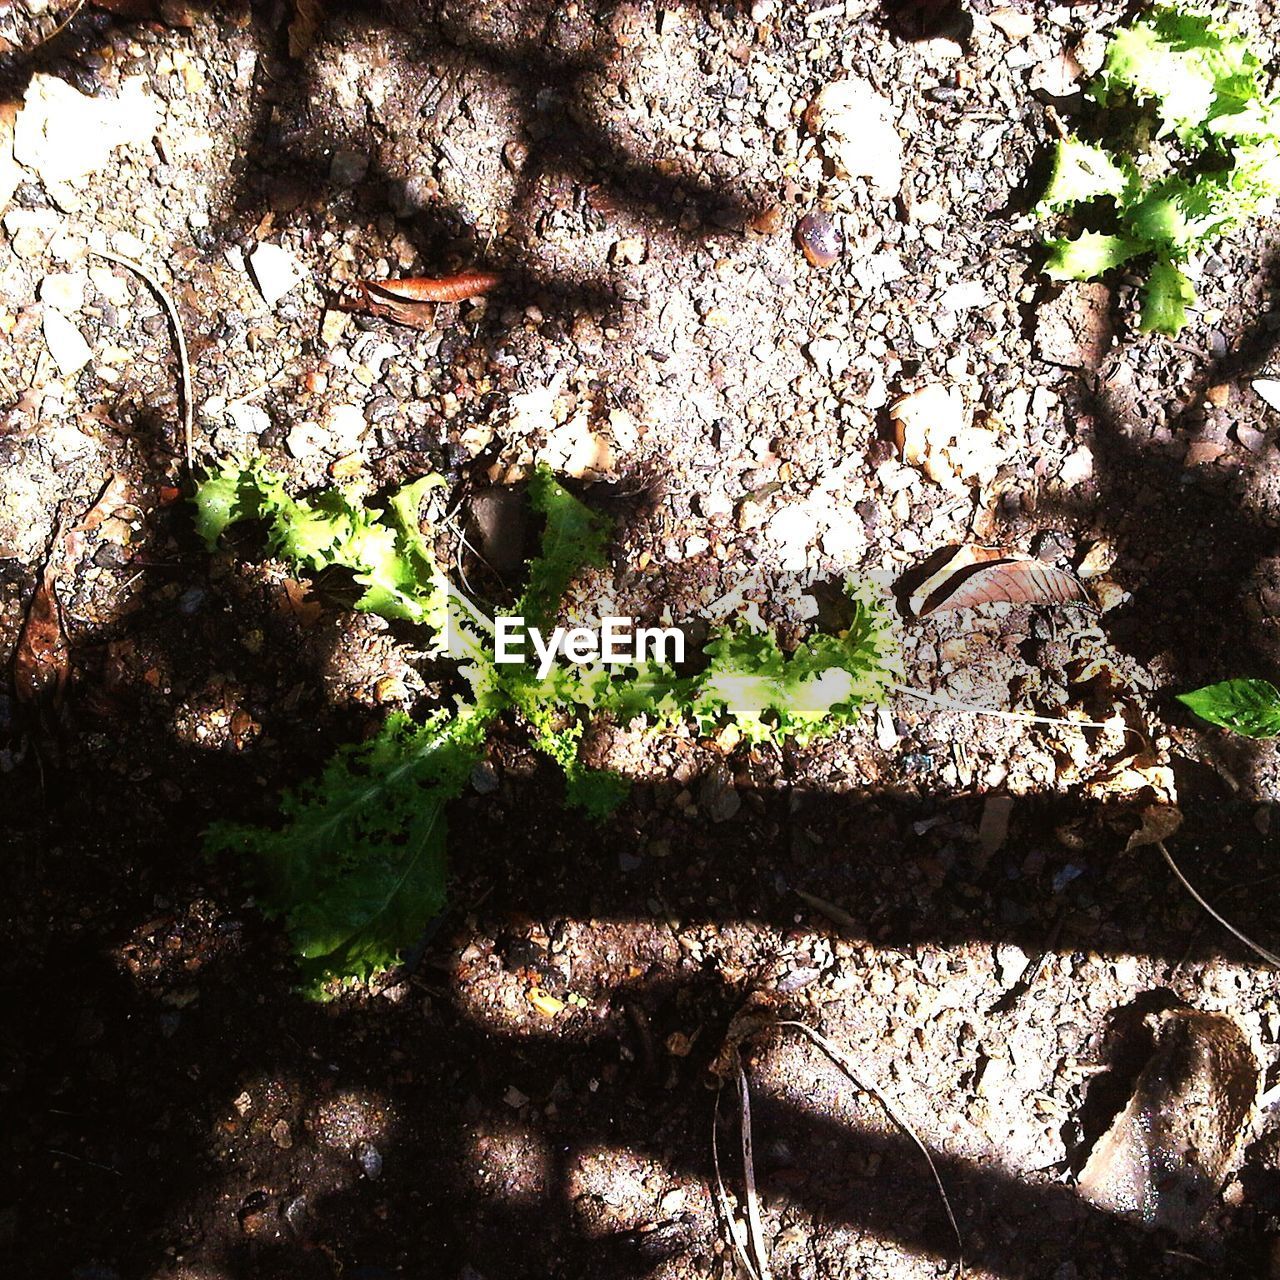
{"points": [[1269, 956], [725, 1207], [71, 1155], [261, 389], [838, 1056], [1023, 717], [59, 29], [180, 340], [749, 1177]]}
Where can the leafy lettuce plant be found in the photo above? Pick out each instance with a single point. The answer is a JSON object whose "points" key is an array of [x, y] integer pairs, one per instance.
{"points": [[356, 865], [1202, 158]]}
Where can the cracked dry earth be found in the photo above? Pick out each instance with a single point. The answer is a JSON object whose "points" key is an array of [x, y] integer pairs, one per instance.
{"points": [[948, 897]]}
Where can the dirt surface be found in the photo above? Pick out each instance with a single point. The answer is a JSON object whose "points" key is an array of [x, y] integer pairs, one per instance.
{"points": [[947, 896]]}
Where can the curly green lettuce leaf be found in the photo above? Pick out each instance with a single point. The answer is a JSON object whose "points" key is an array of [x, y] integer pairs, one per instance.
{"points": [[552, 708], [386, 552], [228, 496], [1081, 172], [1089, 255], [1165, 297], [1178, 215], [356, 867], [1250, 707], [574, 539], [650, 691], [1192, 67], [816, 690]]}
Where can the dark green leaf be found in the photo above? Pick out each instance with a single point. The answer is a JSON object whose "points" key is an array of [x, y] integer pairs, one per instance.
{"points": [[1250, 707], [574, 539], [356, 867]]}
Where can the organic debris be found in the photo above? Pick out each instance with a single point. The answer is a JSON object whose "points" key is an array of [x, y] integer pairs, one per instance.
{"points": [[41, 660], [853, 122], [755, 1018], [412, 300], [1167, 1154], [932, 434], [973, 576], [307, 17]]}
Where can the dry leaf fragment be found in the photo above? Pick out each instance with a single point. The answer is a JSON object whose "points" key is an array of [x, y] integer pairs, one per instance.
{"points": [[1159, 822], [412, 301], [115, 494], [1167, 1154], [546, 1004], [1058, 76], [993, 827], [299, 604], [1268, 390], [307, 16], [854, 123], [974, 576], [1014, 25], [931, 433], [41, 661]]}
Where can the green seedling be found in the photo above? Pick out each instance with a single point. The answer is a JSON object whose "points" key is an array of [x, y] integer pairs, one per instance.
{"points": [[357, 863], [1200, 158]]}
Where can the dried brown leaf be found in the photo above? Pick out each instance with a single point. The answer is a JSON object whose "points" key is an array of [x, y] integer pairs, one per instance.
{"points": [[115, 494], [985, 575], [412, 300], [41, 661], [1159, 822], [298, 604], [416, 315], [307, 16]]}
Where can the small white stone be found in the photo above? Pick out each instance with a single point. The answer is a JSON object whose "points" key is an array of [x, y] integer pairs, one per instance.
{"points": [[275, 271], [64, 134], [66, 343], [64, 291], [791, 531], [1011, 963], [964, 295], [1078, 467], [829, 356], [304, 440], [1268, 390], [345, 424], [114, 288], [250, 418]]}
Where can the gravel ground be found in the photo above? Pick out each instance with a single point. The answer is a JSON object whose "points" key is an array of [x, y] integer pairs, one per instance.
{"points": [[947, 897]]}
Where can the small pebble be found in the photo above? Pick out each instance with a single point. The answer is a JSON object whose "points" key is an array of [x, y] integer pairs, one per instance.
{"points": [[348, 167], [369, 1158], [275, 271], [820, 239]]}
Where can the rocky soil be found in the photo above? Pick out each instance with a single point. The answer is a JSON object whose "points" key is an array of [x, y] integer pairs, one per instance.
{"points": [[949, 897]]}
